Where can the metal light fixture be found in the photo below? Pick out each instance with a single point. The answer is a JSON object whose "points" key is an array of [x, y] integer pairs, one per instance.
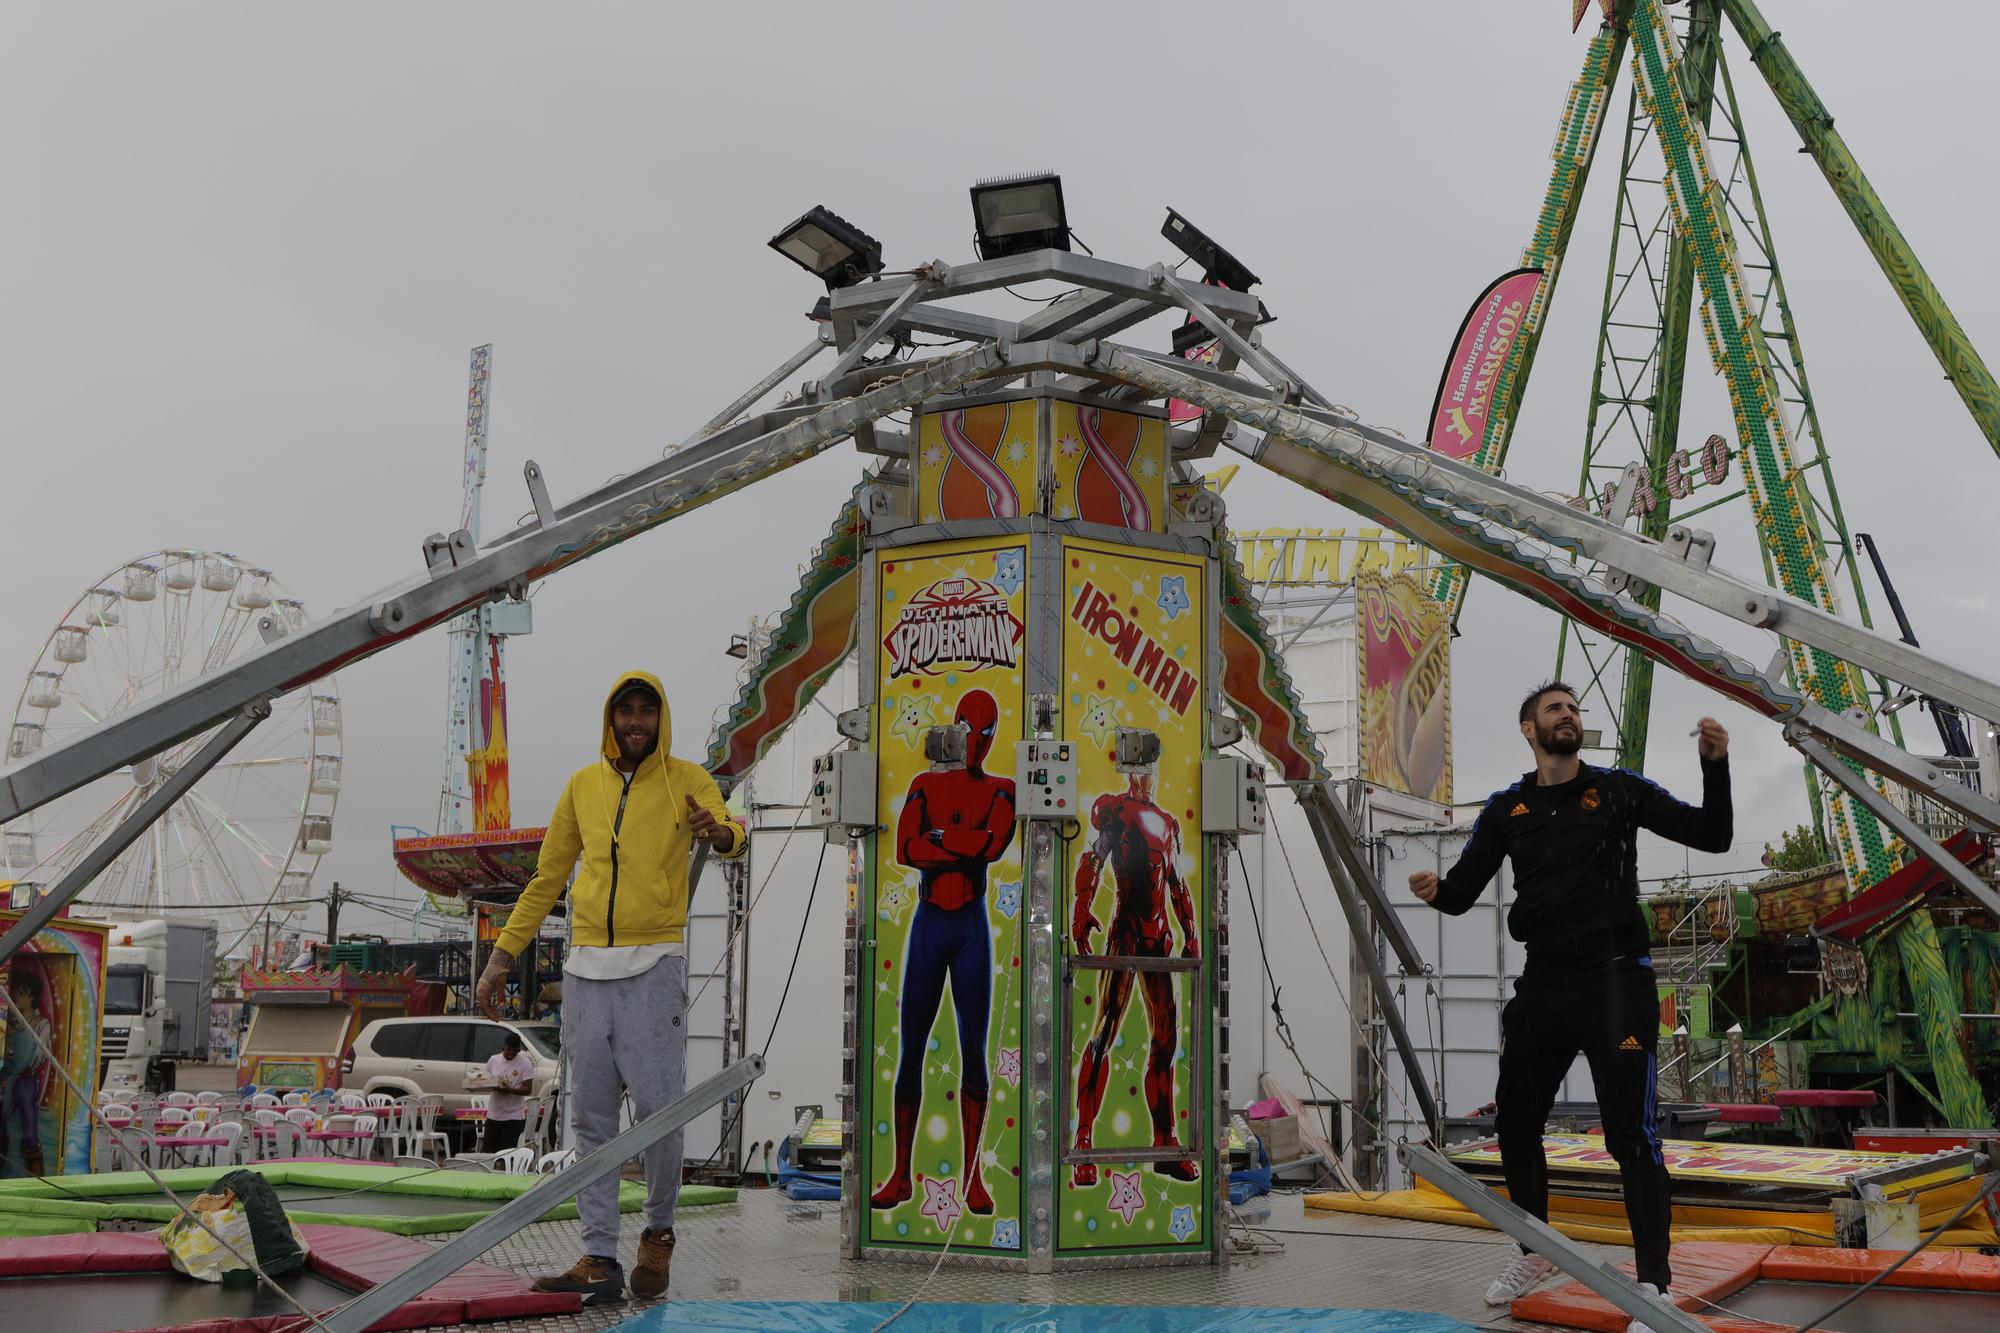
{"points": [[830, 248], [1012, 215], [1219, 268], [739, 647]]}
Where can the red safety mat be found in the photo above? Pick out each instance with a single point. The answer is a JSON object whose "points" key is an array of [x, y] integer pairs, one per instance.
{"points": [[354, 1256], [1710, 1270]]}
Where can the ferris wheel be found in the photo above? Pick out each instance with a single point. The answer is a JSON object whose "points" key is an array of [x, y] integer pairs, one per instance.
{"points": [[242, 842]]}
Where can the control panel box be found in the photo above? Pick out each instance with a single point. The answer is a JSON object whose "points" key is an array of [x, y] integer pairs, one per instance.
{"points": [[843, 791], [1045, 780], [1232, 795]]}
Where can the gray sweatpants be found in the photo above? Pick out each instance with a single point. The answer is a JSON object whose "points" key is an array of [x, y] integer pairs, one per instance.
{"points": [[626, 1035]]}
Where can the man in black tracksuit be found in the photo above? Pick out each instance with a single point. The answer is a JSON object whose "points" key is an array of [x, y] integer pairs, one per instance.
{"points": [[1571, 831]]}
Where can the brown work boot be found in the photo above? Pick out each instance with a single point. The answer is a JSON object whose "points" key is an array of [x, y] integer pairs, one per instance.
{"points": [[600, 1281], [656, 1260]]}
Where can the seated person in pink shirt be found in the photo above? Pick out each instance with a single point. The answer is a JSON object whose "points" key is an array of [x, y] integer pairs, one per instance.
{"points": [[506, 1105]]}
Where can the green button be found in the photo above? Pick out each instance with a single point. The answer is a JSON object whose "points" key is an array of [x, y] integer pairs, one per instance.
{"points": [[1060, 779]]}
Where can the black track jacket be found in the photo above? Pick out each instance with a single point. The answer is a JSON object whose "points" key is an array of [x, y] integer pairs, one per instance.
{"points": [[1575, 854]]}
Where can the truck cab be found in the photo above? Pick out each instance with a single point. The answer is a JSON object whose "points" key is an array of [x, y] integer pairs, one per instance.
{"points": [[129, 1055], [158, 980]]}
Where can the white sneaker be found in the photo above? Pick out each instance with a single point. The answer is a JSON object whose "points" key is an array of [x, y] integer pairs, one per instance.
{"points": [[1518, 1278], [1640, 1325]]}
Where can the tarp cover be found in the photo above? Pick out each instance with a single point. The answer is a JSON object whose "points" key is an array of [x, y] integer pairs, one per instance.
{"points": [[860, 1316]]}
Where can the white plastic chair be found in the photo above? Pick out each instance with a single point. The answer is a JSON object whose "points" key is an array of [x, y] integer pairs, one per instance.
{"points": [[465, 1164], [420, 1129], [175, 1115], [207, 1098], [132, 1146], [296, 1098], [258, 1100], [287, 1139], [535, 1130], [514, 1161], [553, 1162], [353, 1101], [230, 1155], [364, 1149], [178, 1099], [379, 1100]]}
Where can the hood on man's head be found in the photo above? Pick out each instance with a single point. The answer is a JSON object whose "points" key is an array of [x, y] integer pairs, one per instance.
{"points": [[644, 680]]}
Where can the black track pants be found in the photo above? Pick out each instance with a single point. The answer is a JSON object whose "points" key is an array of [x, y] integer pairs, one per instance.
{"points": [[1611, 1016]]}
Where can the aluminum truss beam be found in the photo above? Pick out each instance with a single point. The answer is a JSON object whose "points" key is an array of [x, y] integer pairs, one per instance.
{"points": [[1546, 1241], [464, 578], [85, 871], [1324, 815], [1347, 443], [1340, 843], [785, 371], [1801, 738], [387, 1297]]}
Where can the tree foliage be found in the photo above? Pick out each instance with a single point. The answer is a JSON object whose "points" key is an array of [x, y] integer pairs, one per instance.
{"points": [[1801, 849]]}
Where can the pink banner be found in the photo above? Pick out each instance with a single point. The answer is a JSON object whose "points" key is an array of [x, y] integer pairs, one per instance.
{"points": [[1464, 396]]}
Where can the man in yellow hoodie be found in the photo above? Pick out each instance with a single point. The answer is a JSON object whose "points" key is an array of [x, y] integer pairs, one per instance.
{"points": [[633, 819]]}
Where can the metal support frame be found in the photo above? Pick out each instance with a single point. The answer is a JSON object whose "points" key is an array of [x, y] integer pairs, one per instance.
{"points": [[1339, 842], [1314, 444], [128, 830], [785, 371], [1348, 877], [1546, 1241], [690, 479], [527, 1208], [1801, 738]]}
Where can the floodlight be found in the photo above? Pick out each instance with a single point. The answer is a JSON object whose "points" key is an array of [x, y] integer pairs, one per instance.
{"points": [[1219, 268], [1012, 215], [830, 248]]}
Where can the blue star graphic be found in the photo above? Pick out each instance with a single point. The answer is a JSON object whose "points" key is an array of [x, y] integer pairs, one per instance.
{"points": [[1009, 569], [1173, 597], [1007, 1234], [1008, 900], [1181, 1225]]}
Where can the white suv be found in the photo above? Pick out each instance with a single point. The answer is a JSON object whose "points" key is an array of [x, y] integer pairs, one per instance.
{"points": [[402, 1056]]}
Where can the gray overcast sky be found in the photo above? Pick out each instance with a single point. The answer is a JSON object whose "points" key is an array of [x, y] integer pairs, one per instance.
{"points": [[248, 246]]}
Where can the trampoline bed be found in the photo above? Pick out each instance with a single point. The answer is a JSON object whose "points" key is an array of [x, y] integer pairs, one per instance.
{"points": [[400, 1200], [124, 1283]]}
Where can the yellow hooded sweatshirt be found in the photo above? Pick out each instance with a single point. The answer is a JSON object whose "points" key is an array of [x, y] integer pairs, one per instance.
{"points": [[635, 844]]}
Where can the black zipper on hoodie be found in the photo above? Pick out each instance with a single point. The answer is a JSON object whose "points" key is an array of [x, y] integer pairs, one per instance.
{"points": [[611, 902]]}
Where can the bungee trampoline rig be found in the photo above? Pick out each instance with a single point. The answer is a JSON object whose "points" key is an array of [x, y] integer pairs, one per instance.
{"points": [[1039, 538]]}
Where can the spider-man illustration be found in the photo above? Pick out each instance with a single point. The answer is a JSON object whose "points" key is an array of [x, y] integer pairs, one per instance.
{"points": [[955, 823], [1138, 842]]}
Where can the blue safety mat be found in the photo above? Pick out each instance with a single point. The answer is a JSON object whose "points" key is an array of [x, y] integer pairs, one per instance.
{"points": [[860, 1316]]}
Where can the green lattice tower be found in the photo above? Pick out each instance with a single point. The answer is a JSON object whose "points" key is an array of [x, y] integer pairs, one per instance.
{"points": [[1784, 513], [1638, 385], [1689, 239]]}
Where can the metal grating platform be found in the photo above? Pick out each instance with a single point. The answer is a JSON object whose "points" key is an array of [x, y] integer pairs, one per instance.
{"points": [[765, 1247]]}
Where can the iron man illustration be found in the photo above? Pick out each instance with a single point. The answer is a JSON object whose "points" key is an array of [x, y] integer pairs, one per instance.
{"points": [[955, 823], [1138, 842]]}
